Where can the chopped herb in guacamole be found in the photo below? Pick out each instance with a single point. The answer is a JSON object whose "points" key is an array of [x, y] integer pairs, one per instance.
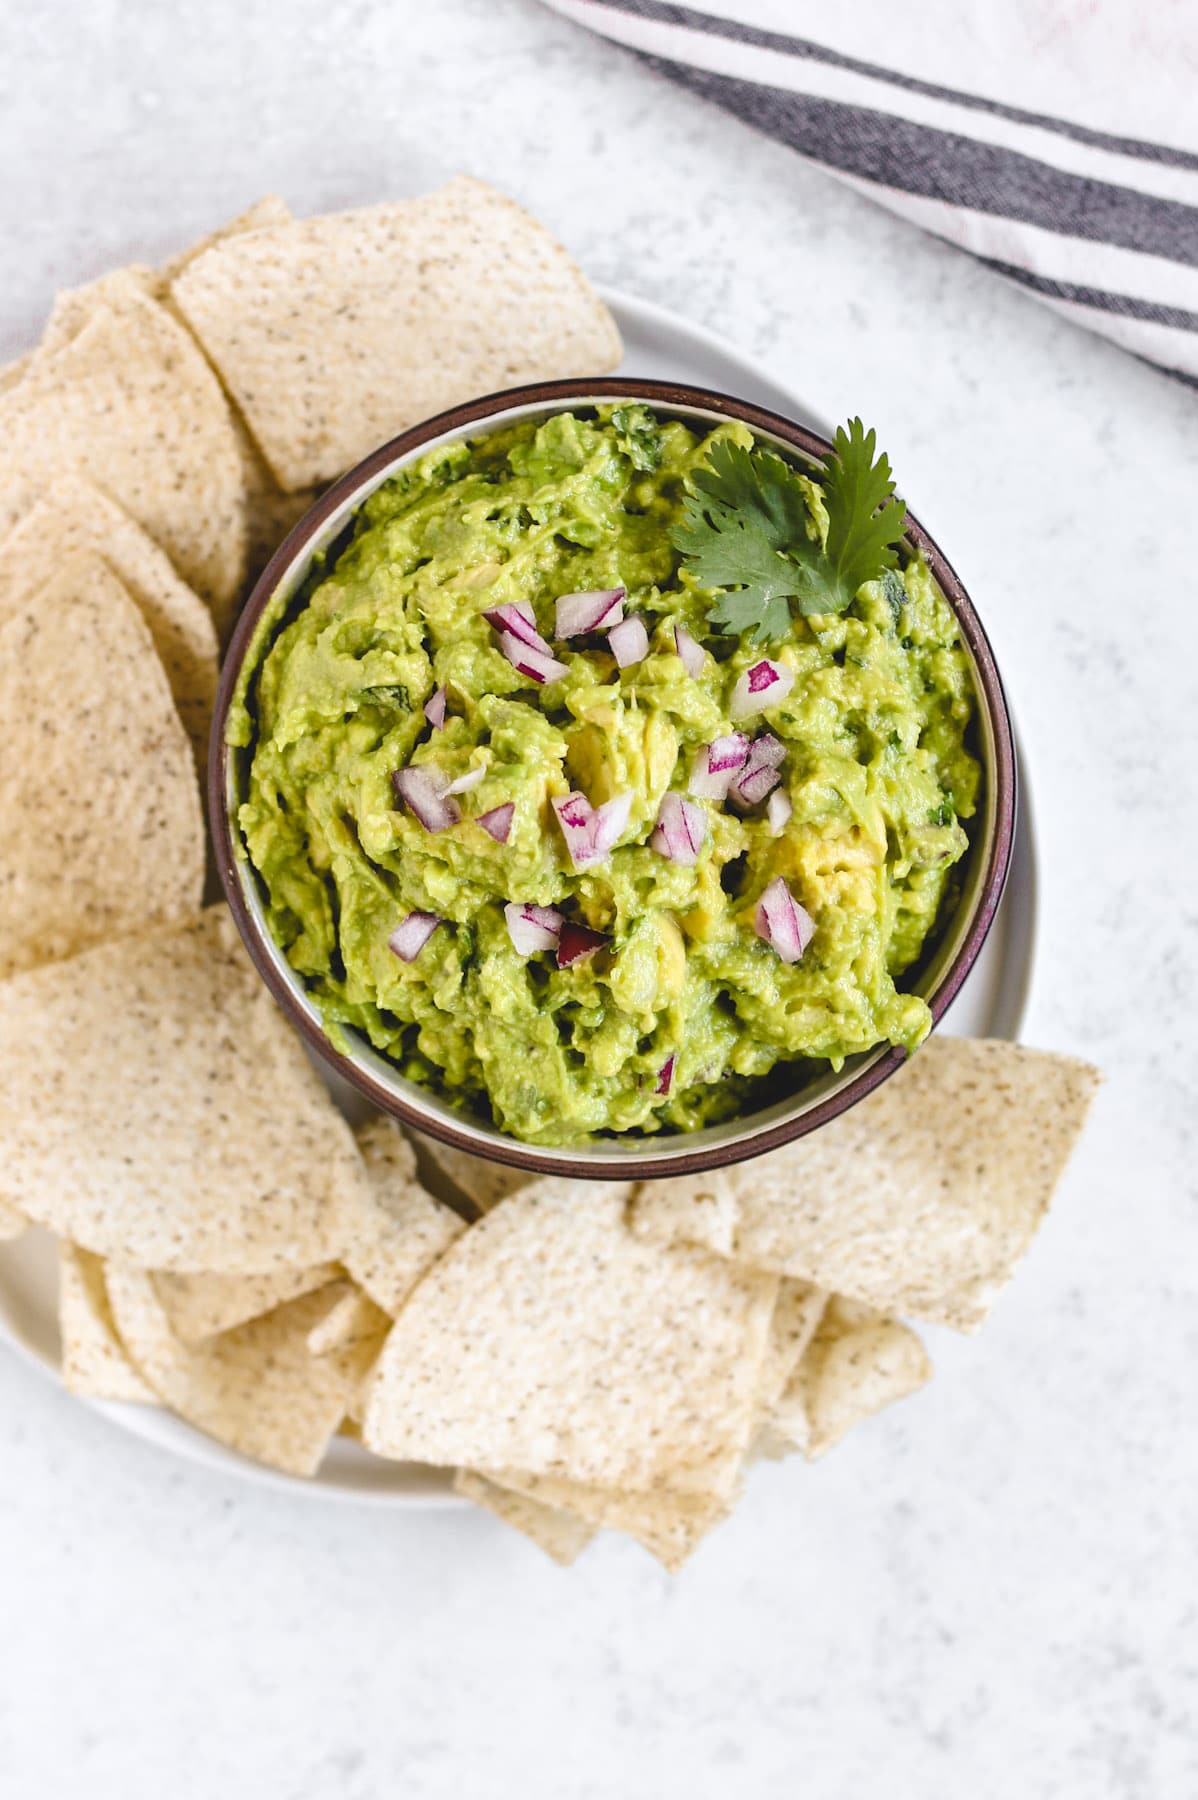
{"points": [[557, 798]]}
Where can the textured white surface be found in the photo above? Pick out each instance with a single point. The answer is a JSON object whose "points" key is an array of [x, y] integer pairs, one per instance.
{"points": [[990, 1592]]}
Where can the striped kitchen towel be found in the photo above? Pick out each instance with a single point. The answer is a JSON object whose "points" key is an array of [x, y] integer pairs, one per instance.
{"points": [[1054, 139]]}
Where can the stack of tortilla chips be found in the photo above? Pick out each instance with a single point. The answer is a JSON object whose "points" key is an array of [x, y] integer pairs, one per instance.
{"points": [[580, 1354]]}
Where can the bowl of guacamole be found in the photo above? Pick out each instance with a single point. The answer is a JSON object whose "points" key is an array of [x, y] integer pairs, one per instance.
{"points": [[610, 777]]}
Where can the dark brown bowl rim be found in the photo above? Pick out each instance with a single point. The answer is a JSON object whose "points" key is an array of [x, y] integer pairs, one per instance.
{"points": [[665, 395]]}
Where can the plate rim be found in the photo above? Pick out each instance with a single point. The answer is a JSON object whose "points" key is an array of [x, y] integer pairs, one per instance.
{"points": [[165, 1431]]}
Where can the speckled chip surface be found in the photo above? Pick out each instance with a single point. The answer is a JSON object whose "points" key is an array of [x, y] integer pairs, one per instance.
{"points": [[334, 334], [103, 831], [560, 1534], [94, 1361], [155, 1105], [922, 1198], [549, 1339], [131, 403], [201, 1306], [74, 517], [396, 1234]]}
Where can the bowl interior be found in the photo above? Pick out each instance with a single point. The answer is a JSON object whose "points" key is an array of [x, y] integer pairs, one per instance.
{"points": [[938, 978]]}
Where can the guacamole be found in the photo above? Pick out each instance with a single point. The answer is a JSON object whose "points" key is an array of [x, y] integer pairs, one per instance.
{"points": [[599, 954]]}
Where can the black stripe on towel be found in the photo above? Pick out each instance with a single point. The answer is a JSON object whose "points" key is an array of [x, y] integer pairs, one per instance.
{"points": [[1127, 306], [659, 13]]}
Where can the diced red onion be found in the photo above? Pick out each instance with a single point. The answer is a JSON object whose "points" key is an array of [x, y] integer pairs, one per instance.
{"points": [[517, 619], [576, 816], [423, 792], [778, 811], [690, 650], [577, 941], [412, 934], [532, 928], [538, 664], [598, 609], [498, 822], [629, 641], [751, 787], [762, 686], [665, 1077], [681, 830], [610, 820], [466, 782], [786, 926], [766, 752], [434, 708], [715, 764]]}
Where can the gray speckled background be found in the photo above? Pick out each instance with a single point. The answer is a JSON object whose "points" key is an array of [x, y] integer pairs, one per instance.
{"points": [[991, 1591]]}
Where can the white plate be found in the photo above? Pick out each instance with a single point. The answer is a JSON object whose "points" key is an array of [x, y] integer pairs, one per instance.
{"points": [[991, 1003]]}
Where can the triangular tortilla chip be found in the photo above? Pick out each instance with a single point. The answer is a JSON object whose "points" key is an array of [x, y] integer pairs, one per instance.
{"points": [[94, 1362], [393, 1239], [334, 334], [478, 1180], [858, 1362], [270, 210], [76, 307], [155, 1104], [559, 1534], [99, 806], [74, 517], [923, 1197], [131, 403], [669, 1525], [201, 1306], [257, 1389], [549, 1339]]}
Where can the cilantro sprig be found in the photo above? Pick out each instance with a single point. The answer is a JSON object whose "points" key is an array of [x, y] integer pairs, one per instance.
{"points": [[750, 535]]}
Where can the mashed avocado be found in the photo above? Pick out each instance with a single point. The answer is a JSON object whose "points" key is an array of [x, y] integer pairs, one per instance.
{"points": [[683, 1014]]}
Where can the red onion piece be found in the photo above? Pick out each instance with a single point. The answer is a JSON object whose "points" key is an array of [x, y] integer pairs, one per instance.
{"points": [[516, 619], [577, 941], [498, 822], [466, 782], [576, 816], [681, 830], [434, 708], [532, 928], [629, 641], [596, 610], [752, 786], [412, 934], [786, 926], [778, 811], [665, 1077], [762, 686], [610, 820], [715, 764], [423, 793], [539, 665], [690, 650], [766, 752]]}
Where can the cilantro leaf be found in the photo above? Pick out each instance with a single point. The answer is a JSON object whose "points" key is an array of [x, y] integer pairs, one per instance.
{"points": [[639, 437], [747, 529]]}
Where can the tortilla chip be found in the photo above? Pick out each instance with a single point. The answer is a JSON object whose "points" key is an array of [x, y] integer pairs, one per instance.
{"points": [[155, 1104], [12, 1223], [270, 210], [99, 806], [859, 1361], [257, 1389], [201, 1306], [481, 1182], [688, 1209], [131, 403], [76, 307], [922, 1198], [76, 517], [798, 1311], [94, 1362], [549, 1339], [669, 1525], [350, 1323], [334, 334], [398, 1234], [13, 373], [559, 1534]]}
